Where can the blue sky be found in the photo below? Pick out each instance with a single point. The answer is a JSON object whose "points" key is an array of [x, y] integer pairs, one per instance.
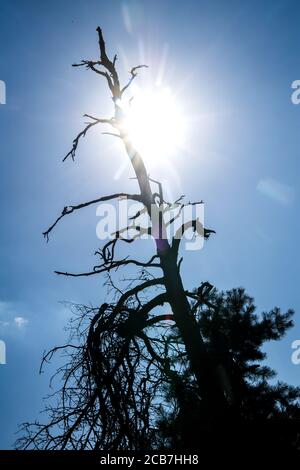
{"points": [[231, 65]]}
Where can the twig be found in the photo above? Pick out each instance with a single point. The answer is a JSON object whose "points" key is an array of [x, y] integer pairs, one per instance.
{"points": [[133, 73], [81, 134]]}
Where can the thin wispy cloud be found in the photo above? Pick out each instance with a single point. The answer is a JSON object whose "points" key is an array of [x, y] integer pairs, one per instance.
{"points": [[10, 317], [276, 190], [20, 322]]}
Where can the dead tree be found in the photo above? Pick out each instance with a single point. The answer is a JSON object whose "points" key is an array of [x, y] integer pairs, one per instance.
{"points": [[128, 317]]}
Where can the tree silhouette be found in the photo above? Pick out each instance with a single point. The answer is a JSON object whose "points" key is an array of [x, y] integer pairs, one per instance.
{"points": [[265, 413], [120, 357], [166, 256]]}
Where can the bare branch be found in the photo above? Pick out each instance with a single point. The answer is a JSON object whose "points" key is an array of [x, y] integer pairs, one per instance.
{"points": [[113, 265], [112, 134], [109, 65], [160, 299], [103, 56], [201, 296], [198, 228], [81, 134], [47, 356], [69, 209], [180, 207], [95, 118], [208, 232], [107, 253], [135, 290], [90, 64], [133, 73], [150, 349]]}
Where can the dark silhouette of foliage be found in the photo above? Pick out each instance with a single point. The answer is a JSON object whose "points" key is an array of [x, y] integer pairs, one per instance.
{"points": [[264, 412]]}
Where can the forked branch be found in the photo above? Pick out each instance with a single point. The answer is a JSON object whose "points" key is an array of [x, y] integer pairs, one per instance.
{"points": [[81, 134], [133, 73], [69, 209]]}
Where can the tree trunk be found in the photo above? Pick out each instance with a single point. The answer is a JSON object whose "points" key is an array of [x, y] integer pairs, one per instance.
{"points": [[202, 364]]}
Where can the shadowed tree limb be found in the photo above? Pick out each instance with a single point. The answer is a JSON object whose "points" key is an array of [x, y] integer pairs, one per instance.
{"points": [[138, 288], [69, 209], [160, 299], [133, 73], [81, 134], [197, 227], [89, 64], [150, 349], [113, 265]]}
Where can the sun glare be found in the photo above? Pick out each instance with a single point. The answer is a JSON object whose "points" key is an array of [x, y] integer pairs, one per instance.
{"points": [[154, 123]]}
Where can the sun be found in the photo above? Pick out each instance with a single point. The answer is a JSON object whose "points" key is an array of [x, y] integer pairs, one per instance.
{"points": [[154, 122]]}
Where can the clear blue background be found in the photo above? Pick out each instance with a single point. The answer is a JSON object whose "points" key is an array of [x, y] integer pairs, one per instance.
{"points": [[231, 64]]}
